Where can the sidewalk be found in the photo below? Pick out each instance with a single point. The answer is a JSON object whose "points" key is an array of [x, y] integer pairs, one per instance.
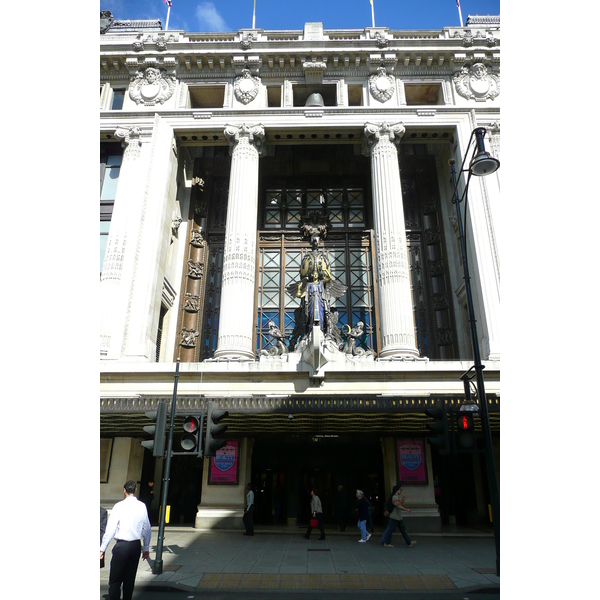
{"points": [[281, 559]]}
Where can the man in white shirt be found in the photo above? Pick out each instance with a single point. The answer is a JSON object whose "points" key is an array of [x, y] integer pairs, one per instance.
{"points": [[128, 524], [249, 511]]}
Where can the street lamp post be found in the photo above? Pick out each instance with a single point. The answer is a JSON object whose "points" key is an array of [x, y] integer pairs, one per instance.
{"points": [[481, 164]]}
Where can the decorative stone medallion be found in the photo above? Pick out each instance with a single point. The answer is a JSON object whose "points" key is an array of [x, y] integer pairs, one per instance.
{"points": [[151, 87], [476, 83], [246, 87], [381, 85]]}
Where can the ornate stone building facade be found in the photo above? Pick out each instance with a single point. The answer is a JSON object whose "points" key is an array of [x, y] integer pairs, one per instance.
{"points": [[277, 216]]}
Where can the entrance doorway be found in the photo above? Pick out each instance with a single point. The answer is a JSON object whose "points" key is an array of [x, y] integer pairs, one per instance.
{"points": [[286, 468]]}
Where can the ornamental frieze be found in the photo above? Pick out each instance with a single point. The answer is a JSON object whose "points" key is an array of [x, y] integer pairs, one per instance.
{"points": [[153, 86], [381, 85], [246, 87], [477, 83]]}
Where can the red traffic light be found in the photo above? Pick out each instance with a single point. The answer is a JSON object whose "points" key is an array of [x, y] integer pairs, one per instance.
{"points": [[191, 425], [464, 422]]}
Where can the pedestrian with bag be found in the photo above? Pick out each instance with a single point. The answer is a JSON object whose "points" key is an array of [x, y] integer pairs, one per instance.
{"points": [[316, 520], [396, 520], [128, 524], [363, 514]]}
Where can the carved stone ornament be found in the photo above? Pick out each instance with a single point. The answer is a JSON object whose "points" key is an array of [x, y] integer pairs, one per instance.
{"points": [[381, 85], [106, 21], [138, 45], [175, 223], [191, 303], [161, 43], [197, 239], [246, 41], [246, 87], [381, 40], [131, 140], [188, 338], [195, 269], [476, 83], [151, 87]]}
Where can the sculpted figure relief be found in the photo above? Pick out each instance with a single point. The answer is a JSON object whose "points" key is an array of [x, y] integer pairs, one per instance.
{"points": [[317, 288]]}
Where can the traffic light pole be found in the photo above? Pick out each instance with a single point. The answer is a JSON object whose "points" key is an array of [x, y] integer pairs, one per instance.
{"points": [[485, 421], [157, 568]]}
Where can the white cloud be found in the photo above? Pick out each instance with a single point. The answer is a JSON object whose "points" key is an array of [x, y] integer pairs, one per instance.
{"points": [[210, 19]]}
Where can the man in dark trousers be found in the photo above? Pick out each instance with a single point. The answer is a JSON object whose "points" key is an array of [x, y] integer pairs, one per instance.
{"points": [[103, 520], [128, 524]]}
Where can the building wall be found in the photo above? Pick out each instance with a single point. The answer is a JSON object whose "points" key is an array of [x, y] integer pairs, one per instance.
{"points": [[188, 96]]}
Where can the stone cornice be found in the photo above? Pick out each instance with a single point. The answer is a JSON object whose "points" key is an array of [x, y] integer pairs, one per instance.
{"points": [[286, 51]]}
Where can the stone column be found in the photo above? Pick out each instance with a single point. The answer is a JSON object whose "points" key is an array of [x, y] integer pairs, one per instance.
{"points": [[147, 256], [396, 319], [236, 317], [111, 314]]}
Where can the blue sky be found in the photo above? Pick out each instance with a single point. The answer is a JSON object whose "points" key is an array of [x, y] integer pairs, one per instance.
{"points": [[231, 15]]}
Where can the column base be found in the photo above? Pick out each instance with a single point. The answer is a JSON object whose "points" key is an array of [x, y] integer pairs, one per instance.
{"points": [[222, 355], [400, 353]]}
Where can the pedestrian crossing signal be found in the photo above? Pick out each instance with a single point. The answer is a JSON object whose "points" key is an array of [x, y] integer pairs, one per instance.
{"points": [[465, 436], [190, 441]]}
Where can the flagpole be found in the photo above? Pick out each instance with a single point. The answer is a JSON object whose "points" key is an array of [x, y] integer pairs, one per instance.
{"points": [[373, 13], [254, 16], [459, 13], [168, 13]]}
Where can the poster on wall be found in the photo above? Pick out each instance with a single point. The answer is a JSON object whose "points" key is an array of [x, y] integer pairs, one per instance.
{"points": [[224, 465], [411, 461]]}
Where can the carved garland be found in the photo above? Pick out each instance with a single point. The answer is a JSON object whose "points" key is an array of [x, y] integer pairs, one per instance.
{"points": [[246, 87], [381, 85], [476, 83]]}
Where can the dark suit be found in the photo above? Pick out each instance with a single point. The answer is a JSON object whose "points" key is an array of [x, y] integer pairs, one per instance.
{"points": [[103, 520]]}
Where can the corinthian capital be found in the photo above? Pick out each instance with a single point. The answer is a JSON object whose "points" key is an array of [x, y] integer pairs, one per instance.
{"points": [[131, 140], [381, 132], [252, 135]]}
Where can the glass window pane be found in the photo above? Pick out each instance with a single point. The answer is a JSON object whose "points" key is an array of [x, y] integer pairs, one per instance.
{"points": [[314, 199], [294, 198], [109, 185], [118, 97], [104, 227], [114, 160]]}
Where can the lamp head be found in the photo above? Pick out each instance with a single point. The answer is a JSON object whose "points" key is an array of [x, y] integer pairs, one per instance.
{"points": [[483, 163]]}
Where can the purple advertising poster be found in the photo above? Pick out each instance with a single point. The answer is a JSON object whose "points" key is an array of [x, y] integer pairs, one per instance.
{"points": [[224, 465], [411, 461]]}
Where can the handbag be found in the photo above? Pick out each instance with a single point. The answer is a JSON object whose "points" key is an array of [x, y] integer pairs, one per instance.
{"points": [[313, 523]]}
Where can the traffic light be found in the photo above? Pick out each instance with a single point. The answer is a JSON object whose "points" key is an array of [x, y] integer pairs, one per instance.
{"points": [[157, 445], [190, 441], [465, 434], [213, 429], [439, 426]]}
